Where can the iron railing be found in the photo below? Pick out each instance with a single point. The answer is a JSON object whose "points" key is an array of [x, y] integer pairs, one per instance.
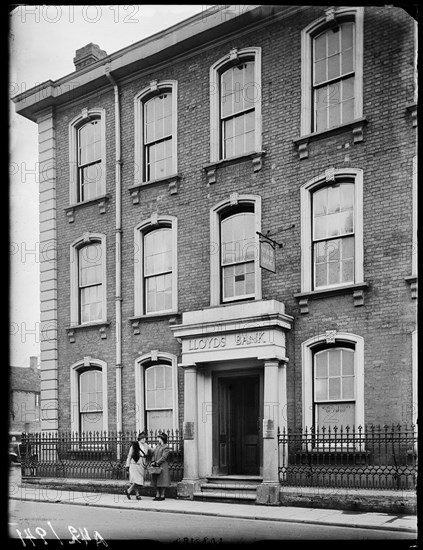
{"points": [[91, 455], [371, 457]]}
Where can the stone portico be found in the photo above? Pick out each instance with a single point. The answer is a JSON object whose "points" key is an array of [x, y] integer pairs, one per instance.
{"points": [[234, 360]]}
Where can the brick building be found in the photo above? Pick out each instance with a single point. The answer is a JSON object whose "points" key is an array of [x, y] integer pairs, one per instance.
{"points": [[165, 169], [24, 404]]}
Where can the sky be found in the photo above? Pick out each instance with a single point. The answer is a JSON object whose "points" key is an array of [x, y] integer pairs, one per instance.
{"points": [[43, 41]]}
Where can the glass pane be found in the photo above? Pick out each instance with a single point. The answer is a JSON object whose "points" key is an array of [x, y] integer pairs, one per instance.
{"points": [[333, 41], [320, 47], [168, 401], [229, 128], [320, 227], [334, 116], [348, 111], [332, 225], [347, 196], [168, 377], [92, 422], [333, 250], [160, 380], [348, 247], [334, 69], [321, 275], [348, 271], [347, 35], [319, 202], [334, 363], [321, 388], [320, 71], [321, 365], [345, 222], [347, 362], [249, 283], [321, 120], [347, 88], [334, 272], [334, 388], [320, 250], [151, 399], [348, 387], [249, 142], [160, 398], [333, 199], [238, 145], [347, 62]]}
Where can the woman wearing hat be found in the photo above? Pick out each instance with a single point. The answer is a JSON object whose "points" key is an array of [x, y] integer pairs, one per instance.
{"points": [[162, 480], [136, 464]]}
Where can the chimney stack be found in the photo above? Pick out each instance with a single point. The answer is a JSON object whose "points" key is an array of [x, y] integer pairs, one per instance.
{"points": [[87, 55]]}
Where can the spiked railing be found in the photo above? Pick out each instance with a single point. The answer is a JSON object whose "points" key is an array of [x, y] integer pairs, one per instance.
{"points": [[371, 457], [90, 455]]}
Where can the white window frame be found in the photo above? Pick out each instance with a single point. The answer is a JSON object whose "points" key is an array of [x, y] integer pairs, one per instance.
{"points": [[155, 88], [86, 239], [86, 116], [306, 191], [341, 338], [216, 69], [74, 390], [316, 27], [155, 222], [215, 267], [158, 357]]}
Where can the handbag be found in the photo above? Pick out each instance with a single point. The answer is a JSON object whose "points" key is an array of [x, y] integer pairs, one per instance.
{"points": [[155, 470]]}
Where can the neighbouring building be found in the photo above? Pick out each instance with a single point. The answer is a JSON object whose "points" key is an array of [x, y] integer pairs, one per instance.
{"points": [[228, 222], [24, 402]]}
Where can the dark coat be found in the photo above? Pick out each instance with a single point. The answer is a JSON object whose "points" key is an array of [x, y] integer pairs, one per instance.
{"points": [[160, 454]]}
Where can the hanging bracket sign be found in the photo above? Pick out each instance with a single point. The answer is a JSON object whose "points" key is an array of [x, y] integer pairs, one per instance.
{"points": [[268, 252]]}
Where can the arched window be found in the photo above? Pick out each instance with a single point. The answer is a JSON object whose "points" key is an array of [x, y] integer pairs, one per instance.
{"points": [[155, 110], [235, 104], [332, 70], [88, 392], [332, 230], [158, 397], [155, 265], [91, 399], [234, 249], [333, 380], [88, 279], [238, 252], [87, 156], [156, 391]]}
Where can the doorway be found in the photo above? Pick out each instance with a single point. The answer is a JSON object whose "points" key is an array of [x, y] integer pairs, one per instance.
{"points": [[238, 437]]}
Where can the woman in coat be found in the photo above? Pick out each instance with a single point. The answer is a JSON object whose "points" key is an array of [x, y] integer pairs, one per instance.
{"points": [[160, 455], [136, 464]]}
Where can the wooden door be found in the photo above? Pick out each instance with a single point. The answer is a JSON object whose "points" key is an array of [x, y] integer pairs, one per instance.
{"points": [[238, 426]]}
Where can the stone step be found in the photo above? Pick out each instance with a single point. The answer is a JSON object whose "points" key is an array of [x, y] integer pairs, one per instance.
{"points": [[229, 486], [246, 480], [224, 495]]}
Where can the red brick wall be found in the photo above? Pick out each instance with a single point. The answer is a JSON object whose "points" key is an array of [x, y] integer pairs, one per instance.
{"points": [[387, 318]]}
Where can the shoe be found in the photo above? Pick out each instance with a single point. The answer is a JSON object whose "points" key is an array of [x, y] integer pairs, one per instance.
{"points": [[128, 496], [161, 498], [156, 498], [138, 497]]}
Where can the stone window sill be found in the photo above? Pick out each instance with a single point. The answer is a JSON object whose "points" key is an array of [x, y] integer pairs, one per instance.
{"points": [[356, 126], [412, 281], [357, 290], [137, 319], [100, 325], [256, 157], [101, 200], [172, 181]]}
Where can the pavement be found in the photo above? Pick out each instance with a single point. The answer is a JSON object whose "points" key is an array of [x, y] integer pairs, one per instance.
{"points": [[317, 516]]}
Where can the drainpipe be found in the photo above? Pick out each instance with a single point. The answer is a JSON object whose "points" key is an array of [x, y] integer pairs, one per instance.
{"points": [[118, 257]]}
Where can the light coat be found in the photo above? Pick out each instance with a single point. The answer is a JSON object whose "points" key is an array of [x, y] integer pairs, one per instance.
{"points": [[137, 469]]}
